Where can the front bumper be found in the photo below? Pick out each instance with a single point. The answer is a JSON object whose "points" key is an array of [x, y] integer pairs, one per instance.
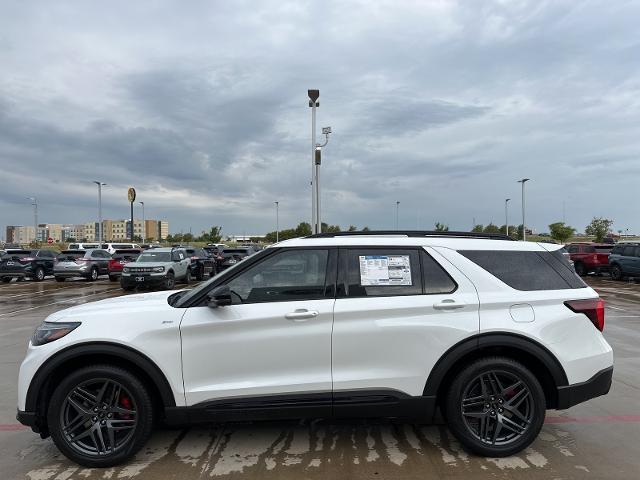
{"points": [[598, 385], [149, 280]]}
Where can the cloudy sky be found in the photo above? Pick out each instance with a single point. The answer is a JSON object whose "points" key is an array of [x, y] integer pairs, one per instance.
{"points": [[202, 106]]}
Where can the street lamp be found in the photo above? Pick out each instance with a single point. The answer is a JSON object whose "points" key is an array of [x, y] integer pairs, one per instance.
{"points": [[277, 222], [144, 224], [524, 225], [100, 185], [34, 202], [506, 213], [397, 207], [316, 160]]}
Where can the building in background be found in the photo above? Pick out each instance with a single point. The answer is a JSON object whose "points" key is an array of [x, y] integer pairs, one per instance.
{"points": [[163, 230], [20, 234], [90, 231]]}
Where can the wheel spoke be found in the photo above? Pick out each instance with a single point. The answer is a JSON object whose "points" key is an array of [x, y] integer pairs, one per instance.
{"points": [[518, 398], [102, 391], [511, 425], [117, 425], [496, 431], [84, 395], [79, 407]]}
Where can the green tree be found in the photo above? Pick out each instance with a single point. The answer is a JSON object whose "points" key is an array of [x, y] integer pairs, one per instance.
{"points": [[365, 229], [599, 227], [214, 235], [326, 228], [491, 228], [477, 228], [441, 227], [352, 228], [561, 232]]}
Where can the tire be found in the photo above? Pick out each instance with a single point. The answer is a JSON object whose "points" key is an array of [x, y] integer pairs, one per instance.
{"points": [[486, 410], [616, 272], [39, 274], [59, 279], [200, 274], [169, 281], [93, 275], [580, 269], [6, 279], [187, 276], [113, 278], [65, 407]]}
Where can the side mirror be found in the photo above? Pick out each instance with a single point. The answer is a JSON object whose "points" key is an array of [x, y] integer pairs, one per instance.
{"points": [[219, 297]]}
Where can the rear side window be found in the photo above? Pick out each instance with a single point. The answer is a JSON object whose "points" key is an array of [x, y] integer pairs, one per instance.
{"points": [[589, 249], [381, 272], [617, 249], [527, 270], [629, 251], [435, 279]]}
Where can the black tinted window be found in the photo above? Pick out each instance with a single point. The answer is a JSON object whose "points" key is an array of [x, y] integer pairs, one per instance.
{"points": [[284, 276], [617, 249], [629, 251], [381, 272], [434, 277], [574, 249], [527, 270]]}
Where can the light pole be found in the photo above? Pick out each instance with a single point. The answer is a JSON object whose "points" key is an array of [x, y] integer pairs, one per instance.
{"points": [[524, 225], [506, 213], [397, 209], [100, 185], [277, 222], [34, 202], [313, 103], [144, 224]]}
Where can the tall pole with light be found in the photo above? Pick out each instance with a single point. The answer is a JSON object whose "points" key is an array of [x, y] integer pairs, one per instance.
{"points": [[277, 222], [397, 211], [34, 202], [524, 225], [316, 161], [506, 213], [100, 185], [144, 224]]}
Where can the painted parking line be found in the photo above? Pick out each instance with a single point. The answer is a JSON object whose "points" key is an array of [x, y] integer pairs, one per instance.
{"points": [[12, 427], [68, 300]]}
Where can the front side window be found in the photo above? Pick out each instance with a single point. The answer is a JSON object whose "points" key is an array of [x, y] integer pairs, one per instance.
{"points": [[285, 276], [381, 272]]}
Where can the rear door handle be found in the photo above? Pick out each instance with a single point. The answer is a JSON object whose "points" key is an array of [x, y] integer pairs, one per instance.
{"points": [[301, 314], [448, 304]]}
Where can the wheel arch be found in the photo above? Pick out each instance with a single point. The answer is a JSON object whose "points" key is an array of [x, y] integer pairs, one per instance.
{"points": [[537, 358], [50, 373]]}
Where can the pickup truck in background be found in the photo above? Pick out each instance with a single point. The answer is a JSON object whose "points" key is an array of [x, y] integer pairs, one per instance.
{"points": [[590, 257]]}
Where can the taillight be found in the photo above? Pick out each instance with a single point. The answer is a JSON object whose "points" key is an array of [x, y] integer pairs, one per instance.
{"points": [[595, 258], [593, 308]]}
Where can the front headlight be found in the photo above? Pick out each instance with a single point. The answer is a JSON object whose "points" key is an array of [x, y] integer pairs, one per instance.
{"points": [[50, 331], [158, 269], [125, 269]]}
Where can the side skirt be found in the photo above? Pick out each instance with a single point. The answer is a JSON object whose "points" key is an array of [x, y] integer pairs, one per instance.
{"points": [[346, 404]]}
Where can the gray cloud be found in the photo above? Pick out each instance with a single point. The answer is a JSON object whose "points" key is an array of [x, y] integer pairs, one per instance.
{"points": [[439, 105]]}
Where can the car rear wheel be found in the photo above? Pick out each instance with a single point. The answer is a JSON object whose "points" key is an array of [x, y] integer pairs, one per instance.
{"points": [[59, 279], [616, 272], [100, 416], [580, 269], [200, 274], [495, 407], [38, 274], [187, 277], [169, 281], [93, 275]]}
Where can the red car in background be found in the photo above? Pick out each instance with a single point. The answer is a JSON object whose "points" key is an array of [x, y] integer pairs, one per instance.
{"points": [[590, 257], [119, 259]]}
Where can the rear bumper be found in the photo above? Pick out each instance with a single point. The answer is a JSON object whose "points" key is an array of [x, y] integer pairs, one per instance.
{"points": [[72, 273], [598, 385]]}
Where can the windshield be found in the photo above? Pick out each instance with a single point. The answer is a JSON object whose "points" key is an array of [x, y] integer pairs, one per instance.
{"points": [[193, 293], [154, 257]]}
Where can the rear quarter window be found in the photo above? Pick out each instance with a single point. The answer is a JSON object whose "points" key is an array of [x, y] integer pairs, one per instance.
{"points": [[525, 270]]}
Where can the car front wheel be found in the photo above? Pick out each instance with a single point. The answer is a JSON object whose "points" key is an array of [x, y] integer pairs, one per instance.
{"points": [[100, 416], [495, 407], [169, 281], [616, 272]]}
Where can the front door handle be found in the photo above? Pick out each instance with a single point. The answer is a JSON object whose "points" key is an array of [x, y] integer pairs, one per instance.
{"points": [[448, 304], [301, 314]]}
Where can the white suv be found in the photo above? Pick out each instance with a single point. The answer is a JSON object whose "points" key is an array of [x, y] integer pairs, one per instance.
{"points": [[487, 331]]}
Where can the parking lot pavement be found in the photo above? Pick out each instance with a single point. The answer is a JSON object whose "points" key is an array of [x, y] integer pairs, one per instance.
{"points": [[593, 440]]}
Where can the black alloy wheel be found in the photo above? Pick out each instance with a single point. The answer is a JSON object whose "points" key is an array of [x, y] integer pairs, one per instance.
{"points": [[39, 274], [169, 281], [616, 272], [93, 276]]}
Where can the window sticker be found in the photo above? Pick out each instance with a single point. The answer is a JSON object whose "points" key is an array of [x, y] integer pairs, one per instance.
{"points": [[378, 270]]}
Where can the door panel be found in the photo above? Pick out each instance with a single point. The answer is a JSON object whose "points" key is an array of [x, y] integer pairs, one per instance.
{"points": [[393, 342]]}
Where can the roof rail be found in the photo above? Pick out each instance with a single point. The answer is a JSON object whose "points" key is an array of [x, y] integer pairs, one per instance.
{"points": [[415, 233]]}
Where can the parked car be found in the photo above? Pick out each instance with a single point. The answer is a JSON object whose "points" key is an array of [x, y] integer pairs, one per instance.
{"points": [[624, 261], [589, 257], [231, 256], [21, 264], [119, 259], [160, 267], [84, 246], [89, 264], [112, 247], [379, 325], [202, 264]]}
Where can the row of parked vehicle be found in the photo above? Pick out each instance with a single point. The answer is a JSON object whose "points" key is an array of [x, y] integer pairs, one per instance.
{"points": [[131, 264], [621, 260]]}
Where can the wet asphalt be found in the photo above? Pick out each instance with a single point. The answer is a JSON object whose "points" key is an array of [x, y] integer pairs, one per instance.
{"points": [[599, 439]]}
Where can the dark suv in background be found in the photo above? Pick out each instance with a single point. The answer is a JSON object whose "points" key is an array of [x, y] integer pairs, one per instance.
{"points": [[21, 264], [231, 256], [202, 264], [624, 261]]}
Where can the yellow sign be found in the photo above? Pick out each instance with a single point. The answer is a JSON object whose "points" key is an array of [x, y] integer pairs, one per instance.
{"points": [[131, 194]]}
